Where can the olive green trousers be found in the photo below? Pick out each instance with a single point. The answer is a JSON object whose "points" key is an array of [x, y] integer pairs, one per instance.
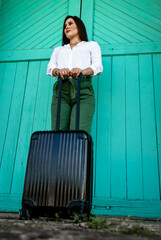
{"points": [[69, 103]]}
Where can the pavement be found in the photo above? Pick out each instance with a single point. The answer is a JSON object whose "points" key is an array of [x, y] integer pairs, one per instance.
{"points": [[99, 228]]}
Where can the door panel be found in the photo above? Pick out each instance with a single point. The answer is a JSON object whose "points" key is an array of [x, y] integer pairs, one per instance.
{"points": [[127, 150], [30, 30]]}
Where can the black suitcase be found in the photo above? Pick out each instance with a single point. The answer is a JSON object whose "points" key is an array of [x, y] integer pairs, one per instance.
{"points": [[59, 171]]}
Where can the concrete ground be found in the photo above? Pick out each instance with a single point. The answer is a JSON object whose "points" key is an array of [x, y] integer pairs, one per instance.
{"points": [[113, 228]]}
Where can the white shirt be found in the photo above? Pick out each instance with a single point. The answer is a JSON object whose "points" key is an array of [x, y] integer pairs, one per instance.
{"points": [[83, 55]]}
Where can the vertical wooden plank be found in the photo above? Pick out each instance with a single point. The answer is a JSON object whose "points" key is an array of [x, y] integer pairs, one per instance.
{"points": [[157, 91], [148, 125], [5, 100], [103, 132], [12, 132], [74, 7], [87, 16], [133, 130], [40, 113], [94, 128], [25, 127], [0, 4], [2, 71], [118, 157], [48, 120]]}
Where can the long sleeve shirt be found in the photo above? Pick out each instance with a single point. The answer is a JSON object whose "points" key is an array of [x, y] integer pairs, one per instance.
{"points": [[83, 55]]}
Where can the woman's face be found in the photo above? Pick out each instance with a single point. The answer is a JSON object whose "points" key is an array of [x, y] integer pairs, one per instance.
{"points": [[70, 29]]}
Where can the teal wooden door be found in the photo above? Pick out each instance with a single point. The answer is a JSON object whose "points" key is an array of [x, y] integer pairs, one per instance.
{"points": [[127, 123], [29, 30], [127, 131]]}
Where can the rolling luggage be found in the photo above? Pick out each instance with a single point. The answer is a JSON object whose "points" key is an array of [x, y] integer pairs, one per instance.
{"points": [[59, 170]]}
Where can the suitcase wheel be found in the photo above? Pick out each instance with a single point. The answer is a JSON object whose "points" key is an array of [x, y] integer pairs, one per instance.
{"points": [[24, 214]]}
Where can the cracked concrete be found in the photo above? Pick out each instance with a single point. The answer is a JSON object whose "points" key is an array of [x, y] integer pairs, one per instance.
{"points": [[121, 228]]}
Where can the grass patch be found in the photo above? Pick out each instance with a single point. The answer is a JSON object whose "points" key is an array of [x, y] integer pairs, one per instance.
{"points": [[137, 230], [97, 223]]}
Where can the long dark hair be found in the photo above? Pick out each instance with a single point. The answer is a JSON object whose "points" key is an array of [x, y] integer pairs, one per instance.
{"points": [[81, 30]]}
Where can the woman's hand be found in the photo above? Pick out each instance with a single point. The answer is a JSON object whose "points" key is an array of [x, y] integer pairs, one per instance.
{"points": [[75, 72], [64, 72], [87, 72]]}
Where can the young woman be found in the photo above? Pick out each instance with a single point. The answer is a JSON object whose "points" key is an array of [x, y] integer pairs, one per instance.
{"points": [[77, 55]]}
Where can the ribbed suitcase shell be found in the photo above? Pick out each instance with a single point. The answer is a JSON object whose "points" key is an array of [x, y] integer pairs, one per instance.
{"points": [[59, 169]]}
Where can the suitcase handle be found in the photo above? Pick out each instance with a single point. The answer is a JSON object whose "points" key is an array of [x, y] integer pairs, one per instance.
{"points": [[59, 104]]}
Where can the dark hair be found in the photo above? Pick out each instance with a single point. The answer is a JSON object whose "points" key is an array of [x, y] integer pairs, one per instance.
{"points": [[81, 30]]}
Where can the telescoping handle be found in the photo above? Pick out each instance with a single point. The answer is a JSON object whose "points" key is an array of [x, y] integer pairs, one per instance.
{"points": [[59, 104]]}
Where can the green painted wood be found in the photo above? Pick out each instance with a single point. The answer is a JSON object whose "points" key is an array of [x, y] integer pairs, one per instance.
{"points": [[110, 36], [74, 8], [94, 126], [148, 6], [115, 207], [42, 100], [105, 38], [116, 24], [2, 71], [6, 99], [148, 128], [118, 151], [22, 55], [33, 29], [139, 26], [33, 36], [108, 21], [109, 29], [157, 90], [12, 4], [140, 14], [133, 130], [27, 21], [50, 94], [13, 200], [26, 127], [103, 133], [52, 41], [17, 13], [127, 49], [55, 29], [87, 16], [37, 23], [34, 17], [37, 54], [12, 128]]}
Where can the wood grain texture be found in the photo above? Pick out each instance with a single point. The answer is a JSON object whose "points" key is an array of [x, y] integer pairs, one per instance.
{"points": [[29, 24], [116, 207], [12, 129], [103, 148], [148, 128], [26, 127], [126, 21]]}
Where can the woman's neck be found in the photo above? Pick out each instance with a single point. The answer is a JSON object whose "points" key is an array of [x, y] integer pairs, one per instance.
{"points": [[74, 41]]}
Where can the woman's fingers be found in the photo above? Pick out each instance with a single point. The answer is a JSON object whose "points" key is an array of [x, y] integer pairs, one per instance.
{"points": [[75, 72], [64, 72]]}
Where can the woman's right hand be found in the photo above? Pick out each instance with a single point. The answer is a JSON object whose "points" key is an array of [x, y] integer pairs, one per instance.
{"points": [[64, 72]]}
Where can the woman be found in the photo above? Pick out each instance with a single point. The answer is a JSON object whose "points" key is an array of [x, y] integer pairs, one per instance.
{"points": [[77, 55]]}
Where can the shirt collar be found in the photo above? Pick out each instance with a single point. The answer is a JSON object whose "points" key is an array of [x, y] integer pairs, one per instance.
{"points": [[78, 44]]}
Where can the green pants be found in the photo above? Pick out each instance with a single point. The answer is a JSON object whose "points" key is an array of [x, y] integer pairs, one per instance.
{"points": [[69, 102]]}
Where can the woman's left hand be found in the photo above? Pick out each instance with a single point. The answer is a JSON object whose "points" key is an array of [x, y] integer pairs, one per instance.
{"points": [[75, 72]]}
